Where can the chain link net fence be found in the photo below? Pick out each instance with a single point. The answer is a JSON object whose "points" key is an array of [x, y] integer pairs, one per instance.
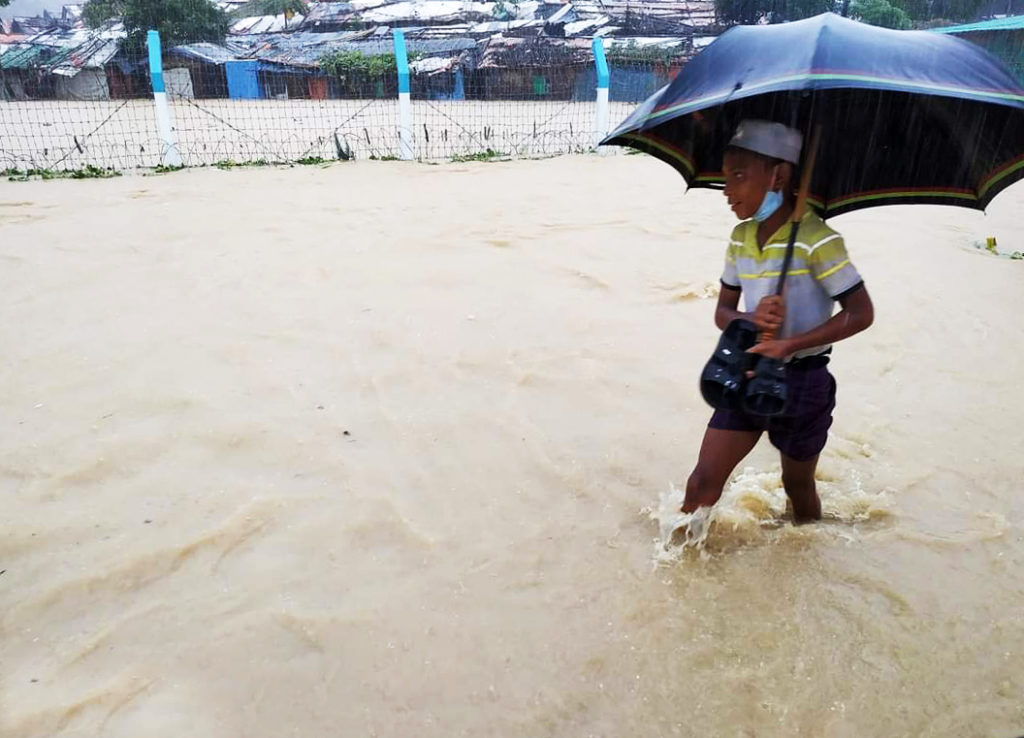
{"points": [[85, 98]]}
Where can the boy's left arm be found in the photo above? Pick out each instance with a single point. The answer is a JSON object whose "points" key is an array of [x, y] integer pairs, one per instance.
{"points": [[857, 313], [831, 266]]}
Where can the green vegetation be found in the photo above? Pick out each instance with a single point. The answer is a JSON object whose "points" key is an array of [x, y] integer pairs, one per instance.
{"points": [[346, 64], [880, 13], [86, 172], [485, 155], [355, 64], [749, 12], [226, 164], [232, 164], [363, 75], [888, 13], [304, 161], [92, 172], [922, 12], [178, 21]]}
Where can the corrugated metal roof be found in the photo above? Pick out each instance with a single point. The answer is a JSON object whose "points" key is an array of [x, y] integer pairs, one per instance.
{"points": [[66, 52], [671, 13], [304, 49], [71, 38], [565, 14], [265, 24], [93, 54], [1010, 23], [433, 64], [367, 4], [465, 23], [460, 30], [23, 56], [582, 27], [205, 52], [660, 42], [440, 45], [328, 13], [438, 11], [492, 27], [33, 24], [501, 52]]}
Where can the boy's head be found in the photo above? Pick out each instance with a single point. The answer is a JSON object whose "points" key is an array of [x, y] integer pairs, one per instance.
{"points": [[761, 158]]}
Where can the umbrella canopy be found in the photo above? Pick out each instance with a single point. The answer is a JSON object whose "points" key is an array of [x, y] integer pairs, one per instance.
{"points": [[906, 116]]}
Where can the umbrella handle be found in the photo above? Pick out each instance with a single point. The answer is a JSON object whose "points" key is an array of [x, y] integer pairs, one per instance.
{"points": [[805, 176], [798, 214]]}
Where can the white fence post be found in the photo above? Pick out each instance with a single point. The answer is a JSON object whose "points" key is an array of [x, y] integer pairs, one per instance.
{"points": [[170, 157], [404, 102], [603, 78]]}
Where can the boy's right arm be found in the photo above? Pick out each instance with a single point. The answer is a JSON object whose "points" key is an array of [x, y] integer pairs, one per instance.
{"points": [[725, 311], [770, 312]]}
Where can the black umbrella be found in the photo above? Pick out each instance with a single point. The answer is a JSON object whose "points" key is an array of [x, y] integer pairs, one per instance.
{"points": [[906, 116]]}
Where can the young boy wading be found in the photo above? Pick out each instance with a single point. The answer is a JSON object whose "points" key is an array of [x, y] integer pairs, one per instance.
{"points": [[759, 167]]}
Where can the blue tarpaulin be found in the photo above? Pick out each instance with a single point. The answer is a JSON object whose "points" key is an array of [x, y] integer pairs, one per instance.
{"points": [[243, 80]]}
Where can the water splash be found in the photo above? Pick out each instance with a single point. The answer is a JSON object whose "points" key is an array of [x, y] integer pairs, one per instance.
{"points": [[754, 509], [678, 529]]}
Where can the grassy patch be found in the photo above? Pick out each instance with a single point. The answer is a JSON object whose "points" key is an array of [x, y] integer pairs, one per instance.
{"points": [[232, 164], [226, 164], [486, 155], [86, 172]]}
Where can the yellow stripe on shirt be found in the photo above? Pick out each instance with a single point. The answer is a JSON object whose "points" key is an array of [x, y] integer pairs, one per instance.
{"points": [[833, 270], [791, 273]]}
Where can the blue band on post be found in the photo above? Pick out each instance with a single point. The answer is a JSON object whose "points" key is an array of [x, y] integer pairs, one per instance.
{"points": [[402, 61], [156, 66], [602, 63]]}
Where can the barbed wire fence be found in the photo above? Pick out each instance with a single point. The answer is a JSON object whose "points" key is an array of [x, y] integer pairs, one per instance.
{"points": [[68, 104]]}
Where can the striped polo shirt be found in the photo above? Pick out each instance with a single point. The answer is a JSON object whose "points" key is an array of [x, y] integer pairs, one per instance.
{"points": [[820, 273]]}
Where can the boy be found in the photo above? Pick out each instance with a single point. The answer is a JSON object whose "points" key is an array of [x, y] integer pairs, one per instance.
{"points": [[759, 167]]}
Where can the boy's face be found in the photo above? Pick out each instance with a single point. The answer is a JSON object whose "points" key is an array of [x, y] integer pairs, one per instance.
{"points": [[748, 177]]}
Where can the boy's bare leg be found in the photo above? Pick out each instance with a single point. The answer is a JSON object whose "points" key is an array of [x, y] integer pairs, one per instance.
{"points": [[720, 452], [798, 479]]}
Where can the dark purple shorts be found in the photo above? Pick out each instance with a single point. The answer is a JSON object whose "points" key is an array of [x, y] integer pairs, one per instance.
{"points": [[802, 431]]}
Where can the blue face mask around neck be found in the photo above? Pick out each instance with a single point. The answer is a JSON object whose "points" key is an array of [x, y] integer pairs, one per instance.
{"points": [[769, 205]]}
